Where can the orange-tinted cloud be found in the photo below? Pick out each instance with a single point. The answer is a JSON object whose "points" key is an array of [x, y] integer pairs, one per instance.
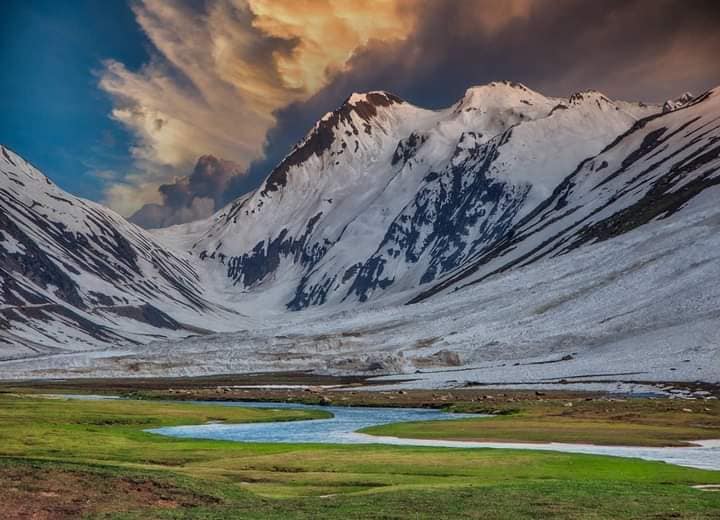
{"points": [[243, 79], [327, 32], [220, 72]]}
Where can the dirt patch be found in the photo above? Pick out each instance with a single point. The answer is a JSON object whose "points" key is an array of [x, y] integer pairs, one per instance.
{"points": [[441, 358], [42, 493], [121, 385], [349, 396]]}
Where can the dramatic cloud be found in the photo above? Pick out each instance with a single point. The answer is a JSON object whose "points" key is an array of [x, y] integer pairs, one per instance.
{"points": [[647, 50], [219, 72], [635, 49], [244, 80], [189, 198]]}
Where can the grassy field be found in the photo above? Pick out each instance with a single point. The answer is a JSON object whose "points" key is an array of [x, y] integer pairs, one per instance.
{"points": [[66, 459], [627, 422]]}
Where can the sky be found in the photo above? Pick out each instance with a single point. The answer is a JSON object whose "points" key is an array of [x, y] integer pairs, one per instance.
{"points": [[167, 110]]}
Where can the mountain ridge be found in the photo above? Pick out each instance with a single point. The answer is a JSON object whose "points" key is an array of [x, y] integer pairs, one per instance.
{"points": [[382, 202], [86, 265], [483, 113]]}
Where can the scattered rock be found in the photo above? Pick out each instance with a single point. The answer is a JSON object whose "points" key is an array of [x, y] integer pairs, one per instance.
{"points": [[439, 359]]}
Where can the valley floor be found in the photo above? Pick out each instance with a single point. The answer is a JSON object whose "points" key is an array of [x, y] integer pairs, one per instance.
{"points": [[67, 458]]}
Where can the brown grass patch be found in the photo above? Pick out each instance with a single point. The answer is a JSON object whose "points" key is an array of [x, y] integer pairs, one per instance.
{"points": [[37, 493]]}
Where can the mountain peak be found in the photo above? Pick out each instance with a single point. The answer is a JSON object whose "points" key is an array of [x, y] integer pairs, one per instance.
{"points": [[590, 95], [6, 154], [364, 106], [505, 93], [498, 85], [14, 160], [374, 97], [678, 102]]}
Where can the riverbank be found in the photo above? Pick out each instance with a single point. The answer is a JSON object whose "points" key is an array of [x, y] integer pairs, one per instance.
{"points": [[46, 441], [681, 414], [351, 390]]}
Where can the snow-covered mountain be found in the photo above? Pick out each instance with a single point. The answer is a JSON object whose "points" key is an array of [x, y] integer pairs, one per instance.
{"points": [[519, 226], [383, 196], [75, 274], [647, 174]]}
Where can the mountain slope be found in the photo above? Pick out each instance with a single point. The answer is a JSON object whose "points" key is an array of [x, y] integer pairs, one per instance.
{"points": [[382, 196], [647, 174], [641, 307], [76, 274], [485, 189]]}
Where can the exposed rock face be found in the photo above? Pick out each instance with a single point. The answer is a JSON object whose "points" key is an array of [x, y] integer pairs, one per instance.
{"points": [[674, 104], [363, 107]]}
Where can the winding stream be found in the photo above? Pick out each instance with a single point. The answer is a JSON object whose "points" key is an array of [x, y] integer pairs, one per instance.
{"points": [[342, 429]]}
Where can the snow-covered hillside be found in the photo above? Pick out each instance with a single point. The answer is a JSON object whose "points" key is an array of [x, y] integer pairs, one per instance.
{"points": [[641, 307], [511, 237], [383, 196], [75, 275], [647, 174]]}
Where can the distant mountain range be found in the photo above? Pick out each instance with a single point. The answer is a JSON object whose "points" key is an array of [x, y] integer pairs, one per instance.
{"points": [[383, 204]]}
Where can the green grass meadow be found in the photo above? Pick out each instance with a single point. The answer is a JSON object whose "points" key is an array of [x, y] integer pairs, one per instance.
{"points": [[104, 439]]}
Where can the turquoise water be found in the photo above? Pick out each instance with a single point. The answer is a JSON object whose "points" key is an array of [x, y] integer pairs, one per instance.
{"points": [[342, 429]]}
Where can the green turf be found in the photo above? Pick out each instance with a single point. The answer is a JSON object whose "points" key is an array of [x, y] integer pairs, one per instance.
{"points": [[632, 422], [294, 481]]}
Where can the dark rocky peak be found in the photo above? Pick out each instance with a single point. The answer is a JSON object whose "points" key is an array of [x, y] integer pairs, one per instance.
{"points": [[366, 104], [686, 97], [674, 104], [325, 131], [585, 96]]}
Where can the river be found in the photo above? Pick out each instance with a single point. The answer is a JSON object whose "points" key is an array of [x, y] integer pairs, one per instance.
{"points": [[342, 429]]}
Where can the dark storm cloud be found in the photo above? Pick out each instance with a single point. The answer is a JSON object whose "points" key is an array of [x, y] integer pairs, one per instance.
{"points": [[195, 196], [634, 49], [630, 49]]}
